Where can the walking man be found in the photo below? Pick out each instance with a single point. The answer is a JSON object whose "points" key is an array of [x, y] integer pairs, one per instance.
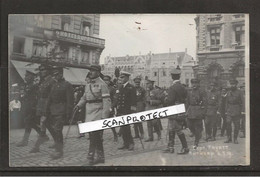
{"points": [[196, 110], [154, 99], [176, 94], [59, 106], [126, 104], [97, 101], [233, 111], [46, 82], [212, 108], [29, 108], [140, 106]]}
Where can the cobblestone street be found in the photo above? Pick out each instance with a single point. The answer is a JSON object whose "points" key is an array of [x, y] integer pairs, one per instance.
{"points": [[75, 151]]}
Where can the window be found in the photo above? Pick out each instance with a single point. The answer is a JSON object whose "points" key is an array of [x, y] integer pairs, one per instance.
{"points": [[164, 73], [155, 73], [18, 46], [215, 36], [84, 56], [39, 49], [214, 72], [65, 26], [85, 29], [240, 71], [239, 34]]}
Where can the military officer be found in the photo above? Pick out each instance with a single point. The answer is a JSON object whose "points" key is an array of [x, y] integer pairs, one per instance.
{"points": [[233, 110], [222, 110], [46, 82], [154, 99], [28, 108], [140, 106], [196, 110], [176, 94], [126, 104], [212, 108], [59, 107], [98, 103], [112, 91]]}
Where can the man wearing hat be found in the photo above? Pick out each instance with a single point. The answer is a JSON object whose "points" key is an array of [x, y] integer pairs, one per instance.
{"points": [[59, 108], [140, 106], [176, 94], [212, 108], [222, 109], [97, 101], [126, 104], [112, 91], [28, 108], [233, 110], [46, 82], [154, 99], [196, 110]]}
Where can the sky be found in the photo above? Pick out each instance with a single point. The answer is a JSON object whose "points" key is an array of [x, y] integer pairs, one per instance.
{"points": [[131, 34]]}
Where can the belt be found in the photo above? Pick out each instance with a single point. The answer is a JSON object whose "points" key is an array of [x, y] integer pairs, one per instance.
{"points": [[94, 101]]}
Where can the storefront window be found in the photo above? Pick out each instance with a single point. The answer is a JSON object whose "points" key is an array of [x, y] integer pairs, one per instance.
{"points": [[18, 45]]}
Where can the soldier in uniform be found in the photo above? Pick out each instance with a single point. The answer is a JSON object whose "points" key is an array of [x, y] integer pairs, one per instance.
{"points": [[176, 94], [212, 109], [98, 103], [126, 104], [140, 106], [59, 107], [46, 82], [28, 108], [154, 99], [222, 110], [195, 110], [233, 110], [112, 91]]}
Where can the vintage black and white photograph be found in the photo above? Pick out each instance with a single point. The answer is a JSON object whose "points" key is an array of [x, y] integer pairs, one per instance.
{"points": [[68, 71]]}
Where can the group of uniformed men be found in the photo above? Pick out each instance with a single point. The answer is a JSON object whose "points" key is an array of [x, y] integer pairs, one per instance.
{"points": [[50, 102]]}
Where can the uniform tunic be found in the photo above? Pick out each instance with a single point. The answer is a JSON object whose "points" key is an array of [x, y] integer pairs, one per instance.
{"points": [[59, 107], [98, 103], [233, 111]]}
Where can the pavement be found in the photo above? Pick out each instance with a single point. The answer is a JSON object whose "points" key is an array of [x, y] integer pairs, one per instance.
{"points": [[75, 151]]}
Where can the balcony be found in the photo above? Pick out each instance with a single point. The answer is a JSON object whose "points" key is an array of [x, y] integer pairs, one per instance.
{"points": [[215, 19], [80, 39], [214, 47], [238, 45]]}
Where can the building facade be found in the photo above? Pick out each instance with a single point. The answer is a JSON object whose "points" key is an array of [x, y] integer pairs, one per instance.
{"points": [[220, 48], [69, 40], [156, 67]]}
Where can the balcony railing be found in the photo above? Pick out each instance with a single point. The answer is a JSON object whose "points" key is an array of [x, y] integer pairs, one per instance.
{"points": [[215, 19], [238, 45]]}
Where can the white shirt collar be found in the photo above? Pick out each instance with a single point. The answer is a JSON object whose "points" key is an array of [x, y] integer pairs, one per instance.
{"points": [[125, 84], [175, 81]]}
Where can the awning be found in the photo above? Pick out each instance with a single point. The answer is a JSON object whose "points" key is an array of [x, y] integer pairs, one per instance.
{"points": [[75, 76], [22, 66]]}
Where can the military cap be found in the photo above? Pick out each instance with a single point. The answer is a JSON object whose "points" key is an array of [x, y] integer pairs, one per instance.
{"points": [[95, 67], [124, 73], [30, 73], [194, 80], [175, 71], [106, 77], [233, 81], [57, 69], [137, 79]]}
